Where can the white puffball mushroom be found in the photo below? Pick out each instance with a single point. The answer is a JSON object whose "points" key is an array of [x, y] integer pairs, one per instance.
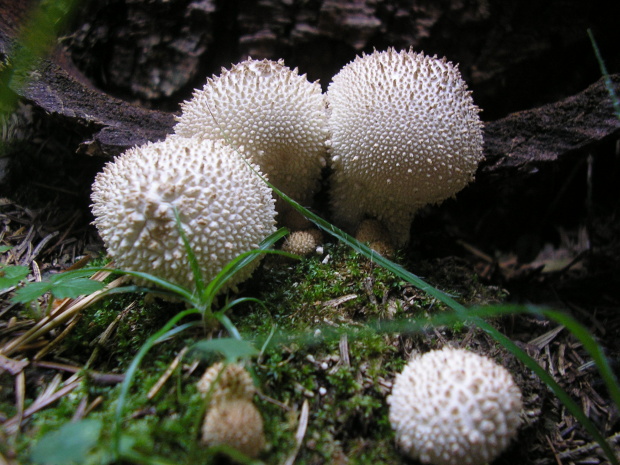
{"points": [[454, 407], [232, 381], [236, 423], [302, 242], [224, 208], [404, 133], [270, 113]]}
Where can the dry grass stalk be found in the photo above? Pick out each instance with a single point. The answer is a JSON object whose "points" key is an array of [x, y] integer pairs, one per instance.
{"points": [[301, 432], [68, 309]]}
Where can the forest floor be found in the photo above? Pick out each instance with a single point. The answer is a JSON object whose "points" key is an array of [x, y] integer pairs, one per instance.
{"points": [[318, 341]]}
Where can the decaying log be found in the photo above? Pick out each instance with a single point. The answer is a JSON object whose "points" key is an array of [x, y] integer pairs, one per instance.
{"points": [[524, 141], [520, 142]]}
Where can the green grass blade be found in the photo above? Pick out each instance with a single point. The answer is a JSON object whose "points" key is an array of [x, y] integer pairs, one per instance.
{"points": [[592, 347], [615, 101], [148, 344], [199, 281], [238, 263], [460, 310]]}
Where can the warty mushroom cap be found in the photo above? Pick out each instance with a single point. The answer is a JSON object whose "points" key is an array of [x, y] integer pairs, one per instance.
{"points": [[453, 407], [275, 116], [236, 423], [232, 381], [302, 242], [224, 208], [404, 133]]}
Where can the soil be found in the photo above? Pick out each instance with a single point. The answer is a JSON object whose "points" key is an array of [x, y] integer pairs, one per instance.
{"points": [[549, 237]]}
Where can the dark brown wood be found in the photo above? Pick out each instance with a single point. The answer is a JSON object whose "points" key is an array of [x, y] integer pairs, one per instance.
{"points": [[524, 141], [520, 142]]}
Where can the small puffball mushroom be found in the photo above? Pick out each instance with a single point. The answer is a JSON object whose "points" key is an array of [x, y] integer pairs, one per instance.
{"points": [[232, 381], [453, 407], [302, 242], [275, 116], [224, 208], [404, 133], [373, 233], [236, 423]]}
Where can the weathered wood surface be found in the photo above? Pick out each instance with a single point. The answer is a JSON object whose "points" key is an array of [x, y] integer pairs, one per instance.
{"points": [[520, 142]]}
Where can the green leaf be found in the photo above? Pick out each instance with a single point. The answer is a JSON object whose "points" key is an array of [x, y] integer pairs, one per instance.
{"points": [[31, 291], [4, 248], [75, 287], [232, 349], [12, 275], [70, 443], [64, 285]]}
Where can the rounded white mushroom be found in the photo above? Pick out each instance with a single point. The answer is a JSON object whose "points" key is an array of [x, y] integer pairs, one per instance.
{"points": [[453, 407], [303, 242], [275, 116], [236, 423], [230, 381], [224, 208], [404, 133]]}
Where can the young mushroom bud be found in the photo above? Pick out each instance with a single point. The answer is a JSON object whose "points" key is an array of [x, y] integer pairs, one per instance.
{"points": [[230, 381], [236, 423], [404, 133], [453, 407], [224, 209], [303, 242], [271, 114]]}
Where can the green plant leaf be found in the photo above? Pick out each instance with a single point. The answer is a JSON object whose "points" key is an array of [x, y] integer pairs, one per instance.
{"points": [[31, 291], [72, 288], [5, 248], [70, 443], [63, 285], [12, 275], [231, 348]]}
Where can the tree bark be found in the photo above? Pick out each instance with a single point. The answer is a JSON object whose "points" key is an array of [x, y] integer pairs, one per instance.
{"points": [[520, 142]]}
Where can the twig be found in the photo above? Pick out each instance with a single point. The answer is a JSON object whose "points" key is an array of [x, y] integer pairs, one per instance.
{"points": [[45, 399], [167, 374], [301, 432], [62, 314]]}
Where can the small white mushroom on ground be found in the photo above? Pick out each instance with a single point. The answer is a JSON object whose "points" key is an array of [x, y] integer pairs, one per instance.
{"points": [[225, 209], [453, 407], [372, 232], [236, 423], [232, 419], [404, 133], [230, 381], [302, 242], [275, 116]]}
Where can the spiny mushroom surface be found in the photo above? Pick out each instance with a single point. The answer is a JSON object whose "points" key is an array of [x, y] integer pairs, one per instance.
{"points": [[275, 116], [225, 209], [404, 133], [302, 242], [236, 423], [453, 407], [232, 381]]}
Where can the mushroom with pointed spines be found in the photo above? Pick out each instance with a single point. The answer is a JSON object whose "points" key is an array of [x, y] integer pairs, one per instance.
{"points": [[453, 407], [272, 115], [404, 133], [224, 209]]}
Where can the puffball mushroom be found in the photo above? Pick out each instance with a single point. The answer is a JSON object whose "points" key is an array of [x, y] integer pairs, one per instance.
{"points": [[302, 242], [404, 133], [232, 381], [236, 423], [224, 208], [453, 407], [270, 113], [232, 419]]}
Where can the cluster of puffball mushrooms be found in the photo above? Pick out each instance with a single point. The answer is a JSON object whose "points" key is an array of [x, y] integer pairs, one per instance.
{"points": [[399, 130]]}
